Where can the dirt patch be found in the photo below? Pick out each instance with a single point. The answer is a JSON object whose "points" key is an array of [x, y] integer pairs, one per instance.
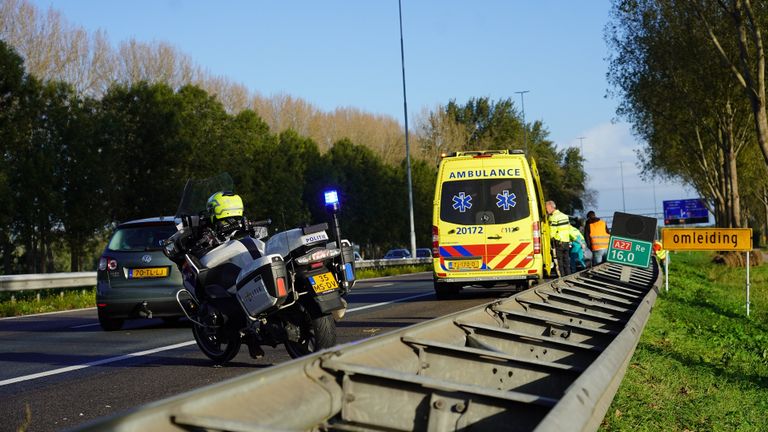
{"points": [[739, 259]]}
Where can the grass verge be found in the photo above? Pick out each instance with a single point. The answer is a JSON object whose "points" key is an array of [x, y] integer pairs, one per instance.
{"points": [[701, 364], [369, 273], [47, 300]]}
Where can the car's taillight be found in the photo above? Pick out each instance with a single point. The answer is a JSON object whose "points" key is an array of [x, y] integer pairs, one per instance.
{"points": [[435, 242], [536, 238], [106, 262]]}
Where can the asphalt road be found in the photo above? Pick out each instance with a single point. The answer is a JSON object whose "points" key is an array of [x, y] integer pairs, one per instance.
{"points": [[59, 370]]}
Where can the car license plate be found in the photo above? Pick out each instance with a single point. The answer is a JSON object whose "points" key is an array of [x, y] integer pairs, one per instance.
{"points": [[323, 282], [148, 272], [464, 265]]}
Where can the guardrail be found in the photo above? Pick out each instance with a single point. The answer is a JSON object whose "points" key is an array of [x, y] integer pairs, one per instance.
{"points": [[24, 282], [73, 280], [549, 358]]}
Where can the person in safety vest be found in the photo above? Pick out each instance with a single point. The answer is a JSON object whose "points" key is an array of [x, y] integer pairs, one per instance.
{"points": [[658, 249], [561, 238], [597, 235], [577, 250]]}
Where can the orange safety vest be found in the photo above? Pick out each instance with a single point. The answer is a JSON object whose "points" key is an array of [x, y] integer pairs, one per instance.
{"points": [[598, 235]]}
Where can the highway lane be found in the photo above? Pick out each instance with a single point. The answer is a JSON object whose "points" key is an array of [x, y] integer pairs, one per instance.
{"points": [[67, 371]]}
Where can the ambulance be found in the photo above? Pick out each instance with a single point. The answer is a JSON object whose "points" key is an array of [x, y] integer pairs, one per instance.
{"points": [[489, 224]]}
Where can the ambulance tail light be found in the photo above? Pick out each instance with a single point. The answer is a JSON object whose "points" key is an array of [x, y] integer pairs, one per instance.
{"points": [[435, 242], [536, 238]]}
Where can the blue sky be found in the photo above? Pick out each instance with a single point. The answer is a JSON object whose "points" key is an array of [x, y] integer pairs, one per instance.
{"points": [[347, 53]]}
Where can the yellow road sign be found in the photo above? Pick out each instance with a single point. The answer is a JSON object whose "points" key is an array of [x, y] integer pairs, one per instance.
{"points": [[707, 239]]}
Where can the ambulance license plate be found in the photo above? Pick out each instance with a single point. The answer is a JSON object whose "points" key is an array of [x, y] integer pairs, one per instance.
{"points": [[464, 265], [323, 282]]}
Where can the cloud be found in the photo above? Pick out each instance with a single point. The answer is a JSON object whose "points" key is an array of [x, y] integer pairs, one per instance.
{"points": [[611, 166]]}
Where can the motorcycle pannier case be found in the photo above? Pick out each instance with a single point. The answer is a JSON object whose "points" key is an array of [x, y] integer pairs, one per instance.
{"points": [[264, 286]]}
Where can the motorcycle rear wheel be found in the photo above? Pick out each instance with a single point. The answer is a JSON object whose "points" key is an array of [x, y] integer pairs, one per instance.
{"points": [[316, 334], [220, 345]]}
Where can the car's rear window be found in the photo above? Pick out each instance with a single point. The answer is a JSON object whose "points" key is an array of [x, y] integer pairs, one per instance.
{"points": [[140, 237], [484, 201]]}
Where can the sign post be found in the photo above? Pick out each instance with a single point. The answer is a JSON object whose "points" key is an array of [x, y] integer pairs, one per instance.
{"points": [[709, 239]]}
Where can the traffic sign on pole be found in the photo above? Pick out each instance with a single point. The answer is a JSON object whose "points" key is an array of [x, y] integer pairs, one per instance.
{"points": [[633, 252], [710, 239], [707, 239]]}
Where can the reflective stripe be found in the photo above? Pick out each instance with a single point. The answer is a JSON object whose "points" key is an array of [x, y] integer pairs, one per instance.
{"points": [[598, 235], [560, 226]]}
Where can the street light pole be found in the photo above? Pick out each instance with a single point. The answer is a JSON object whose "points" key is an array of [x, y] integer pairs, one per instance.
{"points": [[623, 203], [582, 145], [525, 132], [407, 146]]}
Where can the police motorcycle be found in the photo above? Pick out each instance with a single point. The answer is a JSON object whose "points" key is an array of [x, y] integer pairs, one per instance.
{"points": [[239, 288]]}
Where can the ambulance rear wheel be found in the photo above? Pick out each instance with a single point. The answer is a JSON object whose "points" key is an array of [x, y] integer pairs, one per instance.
{"points": [[445, 291]]}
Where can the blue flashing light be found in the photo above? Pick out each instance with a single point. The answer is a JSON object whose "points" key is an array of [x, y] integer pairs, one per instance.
{"points": [[350, 272], [331, 198]]}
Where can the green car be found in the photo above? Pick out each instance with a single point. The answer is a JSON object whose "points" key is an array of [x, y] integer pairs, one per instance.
{"points": [[134, 278]]}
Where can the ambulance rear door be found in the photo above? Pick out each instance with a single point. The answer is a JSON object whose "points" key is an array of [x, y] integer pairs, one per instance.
{"points": [[546, 253], [462, 238], [506, 217]]}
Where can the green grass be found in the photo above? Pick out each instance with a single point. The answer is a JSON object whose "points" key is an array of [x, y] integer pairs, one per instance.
{"points": [[50, 300], [369, 273], [701, 364]]}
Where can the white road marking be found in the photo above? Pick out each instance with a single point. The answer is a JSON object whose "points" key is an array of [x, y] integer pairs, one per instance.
{"points": [[84, 325], [383, 285], [389, 302], [165, 348], [93, 363], [47, 313]]}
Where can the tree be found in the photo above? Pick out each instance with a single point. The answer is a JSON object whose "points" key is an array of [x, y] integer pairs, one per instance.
{"points": [[746, 60], [140, 128], [680, 101], [482, 124], [487, 124], [373, 211], [14, 123]]}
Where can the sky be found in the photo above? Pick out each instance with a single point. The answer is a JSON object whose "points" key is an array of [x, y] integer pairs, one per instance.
{"points": [[339, 53]]}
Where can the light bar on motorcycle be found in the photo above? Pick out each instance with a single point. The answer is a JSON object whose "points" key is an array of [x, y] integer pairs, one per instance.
{"points": [[331, 197], [318, 255], [332, 200]]}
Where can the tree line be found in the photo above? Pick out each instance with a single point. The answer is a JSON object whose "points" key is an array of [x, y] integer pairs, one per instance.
{"points": [[690, 78], [75, 165]]}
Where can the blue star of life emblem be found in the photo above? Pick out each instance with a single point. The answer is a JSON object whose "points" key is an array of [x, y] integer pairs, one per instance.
{"points": [[505, 200], [462, 202]]}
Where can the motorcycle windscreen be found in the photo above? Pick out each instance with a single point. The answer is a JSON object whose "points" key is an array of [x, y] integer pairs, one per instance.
{"points": [[197, 191]]}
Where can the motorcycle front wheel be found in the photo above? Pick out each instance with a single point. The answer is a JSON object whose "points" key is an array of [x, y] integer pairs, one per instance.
{"points": [[316, 334], [218, 344]]}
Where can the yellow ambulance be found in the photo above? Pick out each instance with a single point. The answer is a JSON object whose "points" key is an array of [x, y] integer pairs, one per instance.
{"points": [[489, 224]]}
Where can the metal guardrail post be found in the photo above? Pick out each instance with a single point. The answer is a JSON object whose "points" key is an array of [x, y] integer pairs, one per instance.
{"points": [[549, 358]]}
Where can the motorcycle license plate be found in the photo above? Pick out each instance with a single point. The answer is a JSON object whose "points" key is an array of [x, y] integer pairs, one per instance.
{"points": [[147, 272], [323, 282]]}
